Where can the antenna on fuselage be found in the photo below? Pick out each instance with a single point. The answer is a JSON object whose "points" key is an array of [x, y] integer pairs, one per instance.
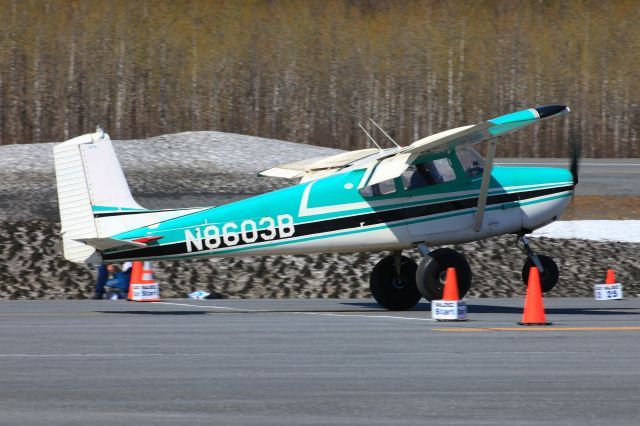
{"points": [[369, 136], [385, 133]]}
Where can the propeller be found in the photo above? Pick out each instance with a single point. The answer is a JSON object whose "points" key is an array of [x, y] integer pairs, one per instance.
{"points": [[575, 153]]}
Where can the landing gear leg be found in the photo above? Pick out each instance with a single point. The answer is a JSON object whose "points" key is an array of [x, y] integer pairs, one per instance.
{"points": [[547, 267], [530, 254], [393, 282]]}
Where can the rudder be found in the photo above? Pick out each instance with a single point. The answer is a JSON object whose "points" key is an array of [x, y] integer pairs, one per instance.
{"points": [[89, 178]]}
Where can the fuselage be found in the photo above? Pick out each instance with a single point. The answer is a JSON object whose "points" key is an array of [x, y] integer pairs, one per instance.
{"points": [[331, 215]]}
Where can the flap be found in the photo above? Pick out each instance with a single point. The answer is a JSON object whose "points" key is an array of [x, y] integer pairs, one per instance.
{"points": [[305, 168]]}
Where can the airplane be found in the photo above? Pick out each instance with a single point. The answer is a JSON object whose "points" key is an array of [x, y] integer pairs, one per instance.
{"points": [[437, 191]]}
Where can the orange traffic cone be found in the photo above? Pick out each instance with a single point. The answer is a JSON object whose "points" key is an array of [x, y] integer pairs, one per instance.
{"points": [[147, 274], [143, 287], [451, 286], [450, 307], [533, 313], [611, 277], [136, 277]]}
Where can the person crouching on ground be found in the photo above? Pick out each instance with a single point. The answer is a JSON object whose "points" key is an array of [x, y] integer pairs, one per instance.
{"points": [[120, 281]]}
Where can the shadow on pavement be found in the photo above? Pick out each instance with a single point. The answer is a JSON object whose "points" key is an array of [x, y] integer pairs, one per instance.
{"points": [[494, 309], [155, 312], [375, 307], [481, 309]]}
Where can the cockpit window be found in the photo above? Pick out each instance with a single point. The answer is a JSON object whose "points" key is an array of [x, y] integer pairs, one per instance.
{"points": [[382, 188], [387, 187], [428, 173], [471, 161]]}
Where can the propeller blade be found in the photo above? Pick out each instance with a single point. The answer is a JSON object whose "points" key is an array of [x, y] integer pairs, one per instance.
{"points": [[575, 153]]}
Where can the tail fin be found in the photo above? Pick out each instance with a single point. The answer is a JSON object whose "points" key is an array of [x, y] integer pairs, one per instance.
{"points": [[89, 179]]}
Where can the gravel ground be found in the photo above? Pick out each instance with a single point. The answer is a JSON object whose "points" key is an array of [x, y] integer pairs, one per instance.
{"points": [[208, 168]]}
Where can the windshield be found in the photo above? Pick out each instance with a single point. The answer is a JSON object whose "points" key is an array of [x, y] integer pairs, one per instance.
{"points": [[382, 188]]}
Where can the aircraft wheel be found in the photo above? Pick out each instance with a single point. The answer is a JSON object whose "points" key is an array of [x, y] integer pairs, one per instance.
{"points": [[393, 292], [548, 277], [432, 271]]}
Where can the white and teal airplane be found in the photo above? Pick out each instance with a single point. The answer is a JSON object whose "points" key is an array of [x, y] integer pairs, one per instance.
{"points": [[435, 191]]}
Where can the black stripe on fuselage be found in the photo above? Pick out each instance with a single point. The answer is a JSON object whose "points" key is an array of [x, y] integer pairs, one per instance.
{"points": [[130, 212], [357, 221]]}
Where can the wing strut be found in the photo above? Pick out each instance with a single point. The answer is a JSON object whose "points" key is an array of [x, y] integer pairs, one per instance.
{"points": [[369, 136], [385, 133], [484, 186]]}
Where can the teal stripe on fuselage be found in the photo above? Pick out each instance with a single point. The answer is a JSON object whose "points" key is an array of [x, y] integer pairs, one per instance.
{"points": [[102, 209]]}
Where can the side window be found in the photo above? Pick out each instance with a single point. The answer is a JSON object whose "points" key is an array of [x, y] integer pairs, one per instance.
{"points": [[387, 187], [382, 188], [444, 169], [471, 161], [428, 173]]}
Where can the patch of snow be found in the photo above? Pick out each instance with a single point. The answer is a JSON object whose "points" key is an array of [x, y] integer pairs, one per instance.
{"points": [[627, 231], [168, 171], [201, 150]]}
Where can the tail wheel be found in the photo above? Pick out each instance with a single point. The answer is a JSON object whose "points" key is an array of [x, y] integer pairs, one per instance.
{"points": [[548, 277], [392, 291], [432, 271]]}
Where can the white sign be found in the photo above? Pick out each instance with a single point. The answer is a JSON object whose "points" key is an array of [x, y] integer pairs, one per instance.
{"points": [[608, 291], [146, 292], [447, 310]]}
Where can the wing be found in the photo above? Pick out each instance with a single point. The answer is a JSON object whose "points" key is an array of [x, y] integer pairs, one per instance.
{"points": [[393, 165], [317, 167]]}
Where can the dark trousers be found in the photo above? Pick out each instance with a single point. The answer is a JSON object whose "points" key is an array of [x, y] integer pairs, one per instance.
{"points": [[101, 280]]}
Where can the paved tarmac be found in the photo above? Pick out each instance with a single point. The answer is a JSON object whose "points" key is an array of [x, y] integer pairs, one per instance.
{"points": [[303, 362], [598, 176]]}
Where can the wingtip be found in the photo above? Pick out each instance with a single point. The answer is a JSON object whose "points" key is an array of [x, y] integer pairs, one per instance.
{"points": [[551, 110]]}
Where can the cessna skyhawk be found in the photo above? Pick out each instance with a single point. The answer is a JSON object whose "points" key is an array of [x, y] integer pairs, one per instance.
{"points": [[435, 191]]}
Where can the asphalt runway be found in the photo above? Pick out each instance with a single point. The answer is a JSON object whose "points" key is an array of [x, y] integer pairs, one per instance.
{"points": [[319, 361], [598, 176]]}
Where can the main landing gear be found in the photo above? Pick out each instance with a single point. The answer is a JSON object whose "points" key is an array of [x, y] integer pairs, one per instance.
{"points": [[393, 282], [547, 267], [432, 272], [397, 282]]}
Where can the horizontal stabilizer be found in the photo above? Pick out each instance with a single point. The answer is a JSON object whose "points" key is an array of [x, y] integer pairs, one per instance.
{"points": [[109, 243]]}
